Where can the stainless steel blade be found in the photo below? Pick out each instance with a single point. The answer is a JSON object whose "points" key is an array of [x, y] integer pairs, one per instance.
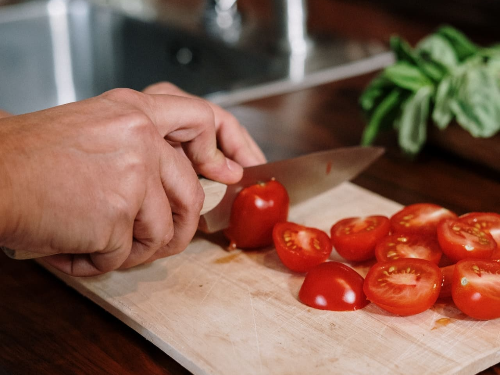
{"points": [[303, 177]]}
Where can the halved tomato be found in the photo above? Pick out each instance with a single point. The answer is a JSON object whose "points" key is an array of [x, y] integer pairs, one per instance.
{"points": [[487, 221], [445, 293], [355, 238], [408, 245], [403, 286], [459, 240], [420, 217], [333, 286], [476, 288], [300, 248]]}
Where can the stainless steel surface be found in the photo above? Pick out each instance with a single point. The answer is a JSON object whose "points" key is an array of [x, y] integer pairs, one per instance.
{"points": [[303, 177], [58, 51]]}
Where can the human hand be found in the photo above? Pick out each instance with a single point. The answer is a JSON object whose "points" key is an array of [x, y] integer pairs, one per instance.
{"points": [[96, 182]]}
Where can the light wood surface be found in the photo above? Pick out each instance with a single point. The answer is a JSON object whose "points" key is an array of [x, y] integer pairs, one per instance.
{"points": [[220, 312]]}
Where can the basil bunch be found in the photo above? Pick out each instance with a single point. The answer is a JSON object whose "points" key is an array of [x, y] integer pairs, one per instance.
{"points": [[445, 77]]}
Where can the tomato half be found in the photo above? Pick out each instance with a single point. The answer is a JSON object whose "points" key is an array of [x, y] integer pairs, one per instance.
{"points": [[487, 221], [333, 286], [355, 238], [476, 288], [445, 293], [403, 286], [420, 217], [459, 240], [300, 248], [255, 211], [408, 245]]}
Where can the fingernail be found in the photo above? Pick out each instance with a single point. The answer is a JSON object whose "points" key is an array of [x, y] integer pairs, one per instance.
{"points": [[233, 166]]}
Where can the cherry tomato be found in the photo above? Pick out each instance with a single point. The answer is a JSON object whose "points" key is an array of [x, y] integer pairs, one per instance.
{"points": [[489, 222], [459, 240], [408, 245], [420, 217], [254, 212], [333, 286], [355, 238], [476, 288], [300, 248], [403, 286], [445, 293]]}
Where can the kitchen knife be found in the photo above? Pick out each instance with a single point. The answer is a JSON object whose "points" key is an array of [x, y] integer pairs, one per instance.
{"points": [[303, 177]]}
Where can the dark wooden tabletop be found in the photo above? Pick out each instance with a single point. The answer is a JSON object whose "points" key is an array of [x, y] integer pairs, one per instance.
{"points": [[48, 328]]}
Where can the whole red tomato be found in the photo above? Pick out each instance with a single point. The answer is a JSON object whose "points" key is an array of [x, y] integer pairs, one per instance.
{"points": [[255, 211]]}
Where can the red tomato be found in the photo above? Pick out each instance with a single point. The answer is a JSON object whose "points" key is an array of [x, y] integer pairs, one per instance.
{"points": [[445, 293], [420, 217], [300, 248], [254, 212], [408, 245], [459, 240], [489, 222], [333, 286], [403, 286], [355, 238], [476, 288]]}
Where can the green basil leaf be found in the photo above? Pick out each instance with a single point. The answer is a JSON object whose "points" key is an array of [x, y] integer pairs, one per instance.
{"points": [[442, 113], [413, 121], [463, 47], [437, 49], [374, 93], [406, 76]]}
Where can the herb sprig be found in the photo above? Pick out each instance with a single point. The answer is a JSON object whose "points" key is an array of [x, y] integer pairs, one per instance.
{"points": [[445, 78]]}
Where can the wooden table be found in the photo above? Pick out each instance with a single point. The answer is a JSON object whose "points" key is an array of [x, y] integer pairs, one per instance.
{"points": [[48, 328]]}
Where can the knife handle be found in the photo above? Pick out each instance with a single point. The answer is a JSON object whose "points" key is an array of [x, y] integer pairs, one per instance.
{"points": [[214, 192]]}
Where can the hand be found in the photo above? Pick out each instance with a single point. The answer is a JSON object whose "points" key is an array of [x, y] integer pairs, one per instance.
{"points": [[96, 182]]}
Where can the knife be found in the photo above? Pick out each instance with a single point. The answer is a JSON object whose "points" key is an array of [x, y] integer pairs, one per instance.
{"points": [[303, 177]]}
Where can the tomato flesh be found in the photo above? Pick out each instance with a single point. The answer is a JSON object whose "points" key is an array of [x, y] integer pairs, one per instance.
{"points": [[333, 286], [476, 288], [299, 247], [408, 245], [459, 240], [445, 293], [255, 211], [403, 286], [355, 238], [487, 221], [420, 217]]}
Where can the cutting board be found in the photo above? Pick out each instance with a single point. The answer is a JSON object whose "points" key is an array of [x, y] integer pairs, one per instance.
{"points": [[220, 312]]}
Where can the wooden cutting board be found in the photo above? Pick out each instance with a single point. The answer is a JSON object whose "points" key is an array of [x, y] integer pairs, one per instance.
{"points": [[219, 312]]}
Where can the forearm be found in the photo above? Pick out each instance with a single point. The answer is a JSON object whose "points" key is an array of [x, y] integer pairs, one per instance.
{"points": [[4, 113], [6, 183]]}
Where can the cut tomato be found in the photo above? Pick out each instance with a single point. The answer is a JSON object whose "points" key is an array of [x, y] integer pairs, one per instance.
{"points": [[420, 217], [487, 221], [355, 238], [476, 288], [255, 211], [445, 293], [459, 240], [300, 248], [408, 245], [333, 286], [403, 286]]}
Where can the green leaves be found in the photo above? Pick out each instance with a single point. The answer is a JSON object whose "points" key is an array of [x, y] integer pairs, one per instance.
{"points": [[444, 78]]}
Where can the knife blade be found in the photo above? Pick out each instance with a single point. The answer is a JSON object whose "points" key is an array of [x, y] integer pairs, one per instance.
{"points": [[303, 177]]}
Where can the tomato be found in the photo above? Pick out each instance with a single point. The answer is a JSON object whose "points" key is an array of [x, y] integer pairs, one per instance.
{"points": [[408, 245], [254, 212], [355, 238], [420, 217], [459, 240], [476, 288], [403, 286], [445, 293], [489, 222], [333, 286], [300, 248]]}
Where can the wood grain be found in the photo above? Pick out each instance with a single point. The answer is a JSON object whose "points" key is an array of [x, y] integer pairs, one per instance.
{"points": [[219, 312]]}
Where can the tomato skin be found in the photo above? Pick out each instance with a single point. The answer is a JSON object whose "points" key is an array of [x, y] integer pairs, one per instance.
{"points": [[445, 293], [420, 217], [355, 238], [403, 286], [255, 211], [301, 248], [408, 245], [333, 286], [476, 288], [459, 240], [489, 222]]}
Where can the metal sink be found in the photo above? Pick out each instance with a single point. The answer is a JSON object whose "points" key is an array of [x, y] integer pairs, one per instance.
{"points": [[58, 51]]}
